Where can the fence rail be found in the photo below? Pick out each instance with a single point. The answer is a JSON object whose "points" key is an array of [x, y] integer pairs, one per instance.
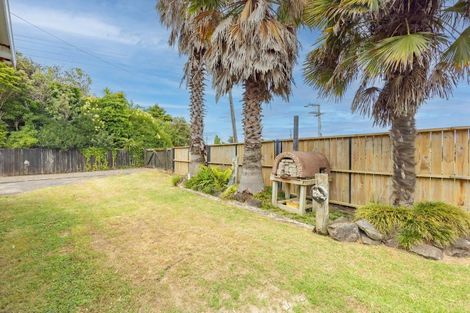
{"points": [[362, 164], [54, 161]]}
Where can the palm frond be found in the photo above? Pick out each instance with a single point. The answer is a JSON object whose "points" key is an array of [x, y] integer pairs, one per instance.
{"points": [[458, 53], [364, 99], [398, 52]]}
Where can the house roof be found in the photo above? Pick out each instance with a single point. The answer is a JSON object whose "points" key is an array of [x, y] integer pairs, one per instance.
{"points": [[7, 46]]}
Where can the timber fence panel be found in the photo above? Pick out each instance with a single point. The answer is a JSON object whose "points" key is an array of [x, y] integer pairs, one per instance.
{"points": [[38, 161], [181, 160], [362, 165]]}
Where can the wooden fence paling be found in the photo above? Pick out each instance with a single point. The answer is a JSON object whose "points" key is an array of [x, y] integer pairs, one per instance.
{"points": [[362, 164], [52, 161]]}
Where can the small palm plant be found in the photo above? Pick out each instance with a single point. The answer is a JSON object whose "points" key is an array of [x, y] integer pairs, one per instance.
{"points": [[401, 52], [254, 44], [184, 33]]}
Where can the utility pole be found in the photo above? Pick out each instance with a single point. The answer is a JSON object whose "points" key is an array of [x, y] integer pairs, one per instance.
{"points": [[232, 113], [316, 112]]}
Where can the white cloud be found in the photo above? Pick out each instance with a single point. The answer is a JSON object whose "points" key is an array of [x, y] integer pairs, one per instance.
{"points": [[75, 24]]}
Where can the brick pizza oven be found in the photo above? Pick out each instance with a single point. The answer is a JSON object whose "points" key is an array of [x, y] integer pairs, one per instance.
{"points": [[299, 164]]}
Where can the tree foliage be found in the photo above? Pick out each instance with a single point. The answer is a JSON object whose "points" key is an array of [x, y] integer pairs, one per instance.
{"points": [[53, 108]]}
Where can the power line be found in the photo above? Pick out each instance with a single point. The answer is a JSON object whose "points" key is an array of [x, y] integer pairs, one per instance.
{"points": [[69, 44], [42, 42]]}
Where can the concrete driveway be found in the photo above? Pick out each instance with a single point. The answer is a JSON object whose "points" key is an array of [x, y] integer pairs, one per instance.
{"points": [[17, 184]]}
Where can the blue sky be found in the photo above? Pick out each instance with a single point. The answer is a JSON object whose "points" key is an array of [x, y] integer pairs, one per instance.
{"points": [[128, 35]]}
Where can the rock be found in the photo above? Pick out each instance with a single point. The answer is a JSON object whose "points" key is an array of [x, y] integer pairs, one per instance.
{"points": [[460, 248], [369, 229], [367, 241], [341, 219], [428, 251], [242, 196], [462, 243], [458, 253], [392, 242], [344, 231], [254, 202]]}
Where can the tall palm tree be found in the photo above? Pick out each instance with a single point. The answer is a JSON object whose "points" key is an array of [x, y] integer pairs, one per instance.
{"points": [[184, 33], [254, 44], [401, 52]]}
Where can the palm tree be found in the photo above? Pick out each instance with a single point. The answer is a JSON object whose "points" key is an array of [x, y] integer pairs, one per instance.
{"points": [[401, 52], [184, 33], [254, 44]]}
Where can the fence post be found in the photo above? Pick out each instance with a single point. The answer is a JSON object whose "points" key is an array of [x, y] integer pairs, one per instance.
{"points": [[208, 160], [350, 168], [173, 160]]}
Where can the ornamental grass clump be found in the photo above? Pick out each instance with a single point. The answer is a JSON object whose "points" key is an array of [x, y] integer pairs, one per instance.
{"points": [[437, 223], [386, 218], [209, 180]]}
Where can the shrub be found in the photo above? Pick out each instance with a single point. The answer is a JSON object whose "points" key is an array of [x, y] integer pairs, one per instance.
{"points": [[386, 218], [435, 222], [209, 180], [176, 179], [229, 192]]}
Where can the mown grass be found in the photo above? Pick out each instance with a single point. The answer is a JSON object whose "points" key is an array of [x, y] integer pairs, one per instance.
{"points": [[136, 244]]}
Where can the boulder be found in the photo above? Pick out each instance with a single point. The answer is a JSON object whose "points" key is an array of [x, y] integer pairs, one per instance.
{"points": [[392, 242], [458, 253], [368, 241], [369, 230], [460, 248], [254, 202], [344, 231], [462, 243], [428, 251]]}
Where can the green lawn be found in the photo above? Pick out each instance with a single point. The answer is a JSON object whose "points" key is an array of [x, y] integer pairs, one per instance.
{"points": [[135, 244]]}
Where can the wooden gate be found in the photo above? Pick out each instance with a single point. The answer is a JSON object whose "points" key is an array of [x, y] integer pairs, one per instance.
{"points": [[159, 158]]}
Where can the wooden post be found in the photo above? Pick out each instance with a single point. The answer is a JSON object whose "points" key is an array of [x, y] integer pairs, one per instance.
{"points": [[286, 189], [302, 199], [321, 208], [274, 193]]}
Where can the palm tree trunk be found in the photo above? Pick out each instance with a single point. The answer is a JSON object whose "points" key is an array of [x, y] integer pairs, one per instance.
{"points": [[251, 180], [403, 135], [196, 87]]}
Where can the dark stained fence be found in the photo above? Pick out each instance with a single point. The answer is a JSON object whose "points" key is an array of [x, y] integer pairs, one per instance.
{"points": [[54, 161], [159, 158]]}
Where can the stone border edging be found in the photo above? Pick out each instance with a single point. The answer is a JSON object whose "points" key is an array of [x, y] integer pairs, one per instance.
{"points": [[253, 209]]}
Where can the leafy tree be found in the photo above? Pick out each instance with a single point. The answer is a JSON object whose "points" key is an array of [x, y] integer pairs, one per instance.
{"points": [[12, 82], [26, 137], [52, 108], [159, 113], [111, 114], [3, 135], [402, 52], [146, 131], [254, 44], [217, 140], [61, 134], [179, 131]]}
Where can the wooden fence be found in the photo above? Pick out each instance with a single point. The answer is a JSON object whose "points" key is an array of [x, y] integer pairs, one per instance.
{"points": [[362, 164], [54, 161], [159, 158]]}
